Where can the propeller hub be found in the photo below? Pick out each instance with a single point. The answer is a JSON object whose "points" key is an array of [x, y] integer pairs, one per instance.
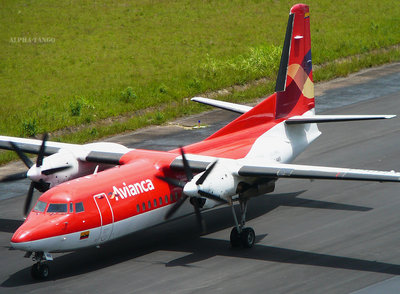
{"points": [[35, 173], [191, 189]]}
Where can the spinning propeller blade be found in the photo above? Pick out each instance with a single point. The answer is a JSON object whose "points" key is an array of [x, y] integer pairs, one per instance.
{"points": [[29, 198], [175, 207], [39, 160], [40, 185], [177, 183], [188, 170], [14, 177], [200, 220], [206, 173], [171, 181], [54, 170], [21, 155], [212, 197]]}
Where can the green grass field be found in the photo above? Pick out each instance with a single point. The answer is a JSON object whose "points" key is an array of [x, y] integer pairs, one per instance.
{"points": [[76, 62]]}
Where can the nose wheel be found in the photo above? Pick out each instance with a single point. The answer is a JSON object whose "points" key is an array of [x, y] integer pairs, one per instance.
{"points": [[240, 235], [40, 271]]}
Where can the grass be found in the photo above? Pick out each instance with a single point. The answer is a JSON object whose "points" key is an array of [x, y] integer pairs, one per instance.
{"points": [[73, 63]]}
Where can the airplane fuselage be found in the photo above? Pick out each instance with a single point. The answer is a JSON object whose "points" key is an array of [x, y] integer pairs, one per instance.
{"points": [[130, 198]]}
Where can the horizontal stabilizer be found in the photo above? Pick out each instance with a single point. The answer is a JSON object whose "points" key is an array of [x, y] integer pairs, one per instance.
{"points": [[333, 118], [238, 108]]}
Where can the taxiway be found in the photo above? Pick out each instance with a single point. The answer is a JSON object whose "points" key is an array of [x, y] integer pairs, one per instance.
{"points": [[312, 237]]}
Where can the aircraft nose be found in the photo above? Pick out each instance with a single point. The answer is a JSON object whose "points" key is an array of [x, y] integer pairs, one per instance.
{"points": [[21, 240], [33, 235], [20, 236]]}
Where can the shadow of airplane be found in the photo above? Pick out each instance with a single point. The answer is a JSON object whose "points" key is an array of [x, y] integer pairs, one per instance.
{"points": [[179, 236], [9, 225]]}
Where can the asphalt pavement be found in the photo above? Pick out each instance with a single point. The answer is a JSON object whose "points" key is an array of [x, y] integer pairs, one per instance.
{"points": [[312, 237]]}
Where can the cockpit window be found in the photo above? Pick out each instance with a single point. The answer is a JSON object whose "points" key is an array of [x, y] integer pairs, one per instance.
{"points": [[79, 207], [58, 207], [40, 206]]}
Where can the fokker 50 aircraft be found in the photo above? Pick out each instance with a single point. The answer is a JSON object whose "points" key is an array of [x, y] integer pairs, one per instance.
{"points": [[99, 192]]}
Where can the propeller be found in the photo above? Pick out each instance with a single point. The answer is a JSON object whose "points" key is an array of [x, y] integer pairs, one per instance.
{"points": [[32, 171], [196, 202]]}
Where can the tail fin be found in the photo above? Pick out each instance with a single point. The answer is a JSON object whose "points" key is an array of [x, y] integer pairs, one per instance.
{"points": [[294, 85]]}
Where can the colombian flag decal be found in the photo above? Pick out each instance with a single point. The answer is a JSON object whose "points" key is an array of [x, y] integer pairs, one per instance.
{"points": [[84, 235], [307, 15]]}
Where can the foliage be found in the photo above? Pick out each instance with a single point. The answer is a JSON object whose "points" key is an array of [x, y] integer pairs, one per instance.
{"points": [[128, 95]]}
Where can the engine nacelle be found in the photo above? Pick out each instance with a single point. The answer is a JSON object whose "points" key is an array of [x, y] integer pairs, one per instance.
{"points": [[220, 181], [258, 189], [75, 159], [210, 204]]}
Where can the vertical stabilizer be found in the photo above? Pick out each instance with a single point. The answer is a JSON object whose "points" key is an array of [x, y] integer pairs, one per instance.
{"points": [[294, 85]]}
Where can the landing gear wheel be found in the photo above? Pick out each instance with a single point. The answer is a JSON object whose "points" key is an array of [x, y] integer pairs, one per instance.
{"points": [[248, 237], [235, 238], [40, 271]]}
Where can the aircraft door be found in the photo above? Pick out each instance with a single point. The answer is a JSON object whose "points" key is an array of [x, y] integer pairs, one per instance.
{"points": [[106, 216]]}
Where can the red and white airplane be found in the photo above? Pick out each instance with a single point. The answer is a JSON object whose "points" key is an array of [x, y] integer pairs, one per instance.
{"points": [[99, 192]]}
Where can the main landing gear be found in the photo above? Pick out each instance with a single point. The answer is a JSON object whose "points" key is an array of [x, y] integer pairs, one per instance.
{"points": [[40, 270], [241, 236]]}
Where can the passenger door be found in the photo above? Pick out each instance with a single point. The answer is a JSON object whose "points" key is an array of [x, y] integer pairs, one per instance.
{"points": [[106, 216]]}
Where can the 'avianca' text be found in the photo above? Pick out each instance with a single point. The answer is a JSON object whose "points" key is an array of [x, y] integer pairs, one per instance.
{"points": [[132, 189]]}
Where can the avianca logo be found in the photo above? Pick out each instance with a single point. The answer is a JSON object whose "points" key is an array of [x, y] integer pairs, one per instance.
{"points": [[131, 190]]}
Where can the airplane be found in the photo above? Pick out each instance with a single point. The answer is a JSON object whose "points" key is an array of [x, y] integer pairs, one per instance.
{"points": [[99, 192]]}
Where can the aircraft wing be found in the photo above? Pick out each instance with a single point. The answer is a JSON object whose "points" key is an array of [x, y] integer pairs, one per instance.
{"points": [[317, 172], [107, 153]]}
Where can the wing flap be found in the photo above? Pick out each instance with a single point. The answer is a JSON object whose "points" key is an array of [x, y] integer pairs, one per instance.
{"points": [[317, 172]]}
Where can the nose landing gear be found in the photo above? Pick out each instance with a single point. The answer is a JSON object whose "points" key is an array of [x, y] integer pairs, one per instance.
{"points": [[241, 236], [40, 270]]}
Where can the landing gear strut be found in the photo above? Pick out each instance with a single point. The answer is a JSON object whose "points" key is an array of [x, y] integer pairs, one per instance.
{"points": [[241, 236], [40, 270]]}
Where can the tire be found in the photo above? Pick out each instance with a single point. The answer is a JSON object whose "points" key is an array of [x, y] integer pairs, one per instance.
{"points": [[235, 238], [40, 271], [248, 237]]}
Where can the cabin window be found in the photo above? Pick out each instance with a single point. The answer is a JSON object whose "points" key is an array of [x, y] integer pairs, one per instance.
{"points": [[149, 204], [79, 207], [58, 207], [144, 206], [138, 208], [160, 201], [71, 208], [155, 202], [166, 198], [176, 196], [40, 206], [172, 197]]}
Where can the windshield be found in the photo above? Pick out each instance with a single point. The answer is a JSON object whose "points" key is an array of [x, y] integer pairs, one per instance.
{"points": [[40, 206], [58, 207]]}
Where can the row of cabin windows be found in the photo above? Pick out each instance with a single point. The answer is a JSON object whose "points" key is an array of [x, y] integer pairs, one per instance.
{"points": [[173, 197]]}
